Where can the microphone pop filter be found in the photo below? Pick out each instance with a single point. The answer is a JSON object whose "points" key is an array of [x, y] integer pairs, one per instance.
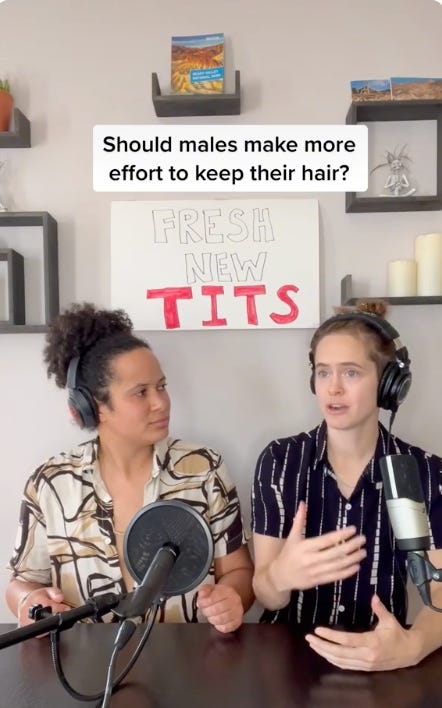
{"points": [[170, 522]]}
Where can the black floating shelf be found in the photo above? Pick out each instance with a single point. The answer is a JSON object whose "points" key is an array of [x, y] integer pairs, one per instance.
{"points": [[347, 297], [398, 111], [22, 329], [20, 137], [358, 205], [185, 104], [360, 112], [50, 265]]}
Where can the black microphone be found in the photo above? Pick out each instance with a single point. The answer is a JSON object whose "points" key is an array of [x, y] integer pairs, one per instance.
{"points": [[168, 550], [408, 518]]}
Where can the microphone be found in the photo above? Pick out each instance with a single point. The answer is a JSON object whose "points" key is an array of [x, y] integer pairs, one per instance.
{"points": [[168, 550], [405, 502], [408, 517]]}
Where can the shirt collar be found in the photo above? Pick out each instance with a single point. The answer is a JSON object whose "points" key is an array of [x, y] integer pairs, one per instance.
{"points": [[321, 444], [161, 456], [372, 471]]}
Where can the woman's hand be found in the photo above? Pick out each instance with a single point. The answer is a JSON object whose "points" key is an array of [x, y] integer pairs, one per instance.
{"points": [[304, 563], [388, 646], [222, 606]]}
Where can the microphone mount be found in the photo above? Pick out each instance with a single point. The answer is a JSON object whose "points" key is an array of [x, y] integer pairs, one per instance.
{"points": [[136, 603], [422, 572]]}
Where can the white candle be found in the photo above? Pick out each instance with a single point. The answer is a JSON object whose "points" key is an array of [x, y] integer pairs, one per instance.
{"points": [[402, 278], [428, 254]]}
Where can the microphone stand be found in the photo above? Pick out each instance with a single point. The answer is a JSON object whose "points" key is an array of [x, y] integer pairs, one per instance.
{"points": [[94, 607], [135, 604], [422, 572]]}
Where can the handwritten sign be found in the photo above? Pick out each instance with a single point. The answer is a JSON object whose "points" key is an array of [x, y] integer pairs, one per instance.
{"points": [[216, 264]]}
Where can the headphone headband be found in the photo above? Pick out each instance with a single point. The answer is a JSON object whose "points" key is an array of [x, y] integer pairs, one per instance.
{"points": [[71, 377], [385, 329], [395, 380]]}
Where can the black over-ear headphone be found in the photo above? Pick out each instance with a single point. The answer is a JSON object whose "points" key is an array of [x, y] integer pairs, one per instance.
{"points": [[395, 380], [80, 401]]}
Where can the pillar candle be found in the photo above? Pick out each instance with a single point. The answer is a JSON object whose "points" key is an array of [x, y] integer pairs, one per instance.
{"points": [[402, 278], [428, 255]]}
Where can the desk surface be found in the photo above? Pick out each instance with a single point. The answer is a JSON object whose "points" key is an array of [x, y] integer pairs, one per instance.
{"points": [[193, 666]]}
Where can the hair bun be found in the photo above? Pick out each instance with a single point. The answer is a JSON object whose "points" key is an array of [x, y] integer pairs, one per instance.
{"points": [[372, 307]]}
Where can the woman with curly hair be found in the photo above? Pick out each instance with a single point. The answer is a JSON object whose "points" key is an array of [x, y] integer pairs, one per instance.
{"points": [[77, 505], [325, 560]]}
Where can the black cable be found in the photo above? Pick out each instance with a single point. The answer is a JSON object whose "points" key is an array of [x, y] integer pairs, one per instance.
{"points": [[391, 534], [109, 679], [392, 417], [127, 628], [55, 651]]}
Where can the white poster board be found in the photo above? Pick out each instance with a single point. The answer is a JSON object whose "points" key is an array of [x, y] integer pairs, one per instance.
{"points": [[216, 264]]}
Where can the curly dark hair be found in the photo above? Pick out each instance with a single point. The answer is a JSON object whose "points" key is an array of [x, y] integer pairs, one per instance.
{"points": [[96, 337], [379, 351]]}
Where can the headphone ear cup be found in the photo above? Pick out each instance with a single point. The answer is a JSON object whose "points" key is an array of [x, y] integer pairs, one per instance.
{"points": [[385, 386], [83, 408], [393, 386]]}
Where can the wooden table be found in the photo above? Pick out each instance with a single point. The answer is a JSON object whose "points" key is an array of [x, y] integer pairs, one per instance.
{"points": [[193, 666]]}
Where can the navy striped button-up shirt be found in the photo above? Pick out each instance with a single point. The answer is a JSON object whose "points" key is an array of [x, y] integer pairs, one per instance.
{"points": [[294, 469]]}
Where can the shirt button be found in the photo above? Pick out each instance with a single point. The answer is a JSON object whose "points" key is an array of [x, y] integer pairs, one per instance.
{"points": [[348, 507], [341, 608], [107, 541]]}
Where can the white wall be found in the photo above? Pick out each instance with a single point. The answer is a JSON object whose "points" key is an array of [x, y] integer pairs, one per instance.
{"points": [[76, 63]]}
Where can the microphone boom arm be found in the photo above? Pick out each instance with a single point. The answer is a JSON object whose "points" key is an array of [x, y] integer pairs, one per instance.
{"points": [[95, 607]]}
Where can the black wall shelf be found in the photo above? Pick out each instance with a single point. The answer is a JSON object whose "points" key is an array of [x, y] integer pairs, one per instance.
{"points": [[398, 111], [50, 265], [20, 136], [185, 104], [347, 297]]}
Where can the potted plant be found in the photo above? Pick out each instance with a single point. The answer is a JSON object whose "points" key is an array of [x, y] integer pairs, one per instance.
{"points": [[6, 102]]}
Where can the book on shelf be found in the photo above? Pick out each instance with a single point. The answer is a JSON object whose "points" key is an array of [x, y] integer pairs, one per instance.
{"points": [[406, 88], [198, 64], [396, 88]]}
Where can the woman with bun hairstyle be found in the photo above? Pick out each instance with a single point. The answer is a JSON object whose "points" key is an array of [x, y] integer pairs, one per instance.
{"points": [[77, 505], [326, 561]]}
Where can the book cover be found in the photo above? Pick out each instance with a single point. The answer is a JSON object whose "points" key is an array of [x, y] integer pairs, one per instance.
{"points": [[370, 90], [198, 64], [404, 88]]}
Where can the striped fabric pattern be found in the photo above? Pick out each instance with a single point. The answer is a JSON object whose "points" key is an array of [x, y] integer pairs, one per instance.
{"points": [[295, 469]]}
